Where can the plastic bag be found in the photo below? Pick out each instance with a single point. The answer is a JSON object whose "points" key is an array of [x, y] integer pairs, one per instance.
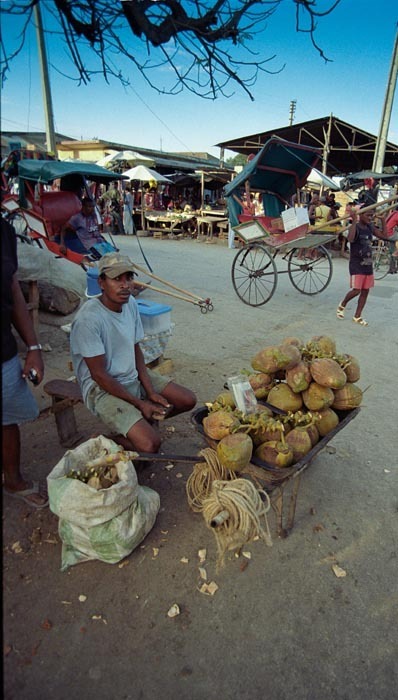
{"points": [[107, 524]]}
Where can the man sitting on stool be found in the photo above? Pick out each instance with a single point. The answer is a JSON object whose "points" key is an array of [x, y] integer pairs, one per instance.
{"points": [[109, 364]]}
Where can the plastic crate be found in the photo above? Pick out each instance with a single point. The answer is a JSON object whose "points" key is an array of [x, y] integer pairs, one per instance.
{"points": [[156, 318]]}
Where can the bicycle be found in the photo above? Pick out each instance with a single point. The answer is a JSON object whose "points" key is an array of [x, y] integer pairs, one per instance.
{"points": [[383, 260]]}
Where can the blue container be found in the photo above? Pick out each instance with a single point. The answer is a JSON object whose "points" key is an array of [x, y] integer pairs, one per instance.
{"points": [[93, 288], [156, 318]]}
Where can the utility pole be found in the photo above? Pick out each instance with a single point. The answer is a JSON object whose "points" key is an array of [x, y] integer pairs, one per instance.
{"points": [[292, 111], [380, 150], [45, 80]]}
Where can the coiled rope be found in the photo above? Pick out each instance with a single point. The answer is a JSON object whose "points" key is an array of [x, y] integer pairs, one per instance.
{"points": [[232, 507], [233, 510], [199, 483]]}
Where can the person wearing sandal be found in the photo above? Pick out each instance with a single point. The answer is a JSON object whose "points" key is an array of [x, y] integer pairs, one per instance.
{"points": [[18, 403], [360, 235]]}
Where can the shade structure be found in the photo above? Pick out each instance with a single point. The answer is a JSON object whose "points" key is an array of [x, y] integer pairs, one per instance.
{"points": [[131, 157], [106, 160], [319, 179], [46, 171], [144, 174]]}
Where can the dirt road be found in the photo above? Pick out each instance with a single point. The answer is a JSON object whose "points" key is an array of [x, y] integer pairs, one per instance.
{"points": [[281, 625]]}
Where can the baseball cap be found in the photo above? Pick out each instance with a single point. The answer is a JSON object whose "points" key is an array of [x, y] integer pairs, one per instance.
{"points": [[113, 264]]}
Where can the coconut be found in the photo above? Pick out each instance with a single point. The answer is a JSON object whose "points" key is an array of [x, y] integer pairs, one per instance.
{"points": [[235, 451], [299, 441], [324, 345], [223, 400], [351, 369], [299, 377], [327, 372], [219, 424], [347, 398], [292, 340], [313, 432], [328, 420], [261, 383], [265, 434], [275, 357], [283, 397], [275, 453], [317, 397]]}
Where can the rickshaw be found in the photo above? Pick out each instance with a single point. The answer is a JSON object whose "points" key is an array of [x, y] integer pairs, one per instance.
{"points": [[276, 173], [38, 211]]}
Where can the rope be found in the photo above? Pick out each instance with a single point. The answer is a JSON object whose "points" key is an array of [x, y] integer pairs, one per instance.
{"points": [[199, 483], [242, 503]]}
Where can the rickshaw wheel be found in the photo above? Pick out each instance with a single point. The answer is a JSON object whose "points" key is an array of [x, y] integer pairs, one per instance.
{"points": [[254, 274], [381, 261], [310, 276]]}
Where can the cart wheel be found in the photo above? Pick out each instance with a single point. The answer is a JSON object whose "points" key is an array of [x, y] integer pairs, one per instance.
{"points": [[381, 261], [254, 274], [310, 276]]}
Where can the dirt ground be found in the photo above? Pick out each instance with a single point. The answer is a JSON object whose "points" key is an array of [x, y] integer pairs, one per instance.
{"points": [[281, 625]]}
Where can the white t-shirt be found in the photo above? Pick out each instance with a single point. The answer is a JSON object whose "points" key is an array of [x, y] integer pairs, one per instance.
{"points": [[97, 330]]}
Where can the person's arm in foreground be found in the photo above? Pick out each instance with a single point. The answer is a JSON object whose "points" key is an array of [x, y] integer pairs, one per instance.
{"points": [[22, 322]]}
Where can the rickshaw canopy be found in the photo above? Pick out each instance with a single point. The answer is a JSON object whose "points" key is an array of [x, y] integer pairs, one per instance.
{"points": [[46, 171], [276, 172]]}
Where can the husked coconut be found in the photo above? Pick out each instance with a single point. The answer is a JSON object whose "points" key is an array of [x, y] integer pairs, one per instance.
{"points": [[219, 424], [275, 453], [317, 397], [299, 441], [275, 357], [223, 400], [328, 420], [292, 340], [261, 383], [351, 368], [313, 432], [347, 398], [324, 344], [327, 372], [299, 377], [283, 397], [235, 451]]}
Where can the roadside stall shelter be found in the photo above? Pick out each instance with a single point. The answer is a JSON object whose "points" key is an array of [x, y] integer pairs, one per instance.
{"points": [[345, 148]]}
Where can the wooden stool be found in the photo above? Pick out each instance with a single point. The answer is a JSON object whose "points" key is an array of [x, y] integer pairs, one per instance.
{"points": [[64, 396]]}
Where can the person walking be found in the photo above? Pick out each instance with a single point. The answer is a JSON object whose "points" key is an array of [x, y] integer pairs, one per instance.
{"points": [[360, 235], [128, 206]]}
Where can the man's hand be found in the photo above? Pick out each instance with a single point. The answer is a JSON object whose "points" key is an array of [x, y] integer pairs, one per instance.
{"points": [[34, 362], [150, 408]]}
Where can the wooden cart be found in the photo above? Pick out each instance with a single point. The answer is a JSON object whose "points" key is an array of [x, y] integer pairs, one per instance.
{"points": [[280, 484]]}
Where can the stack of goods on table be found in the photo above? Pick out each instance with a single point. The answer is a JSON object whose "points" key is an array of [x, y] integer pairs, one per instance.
{"points": [[308, 388]]}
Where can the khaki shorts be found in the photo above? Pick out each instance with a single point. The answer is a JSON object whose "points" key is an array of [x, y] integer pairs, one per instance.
{"points": [[120, 415]]}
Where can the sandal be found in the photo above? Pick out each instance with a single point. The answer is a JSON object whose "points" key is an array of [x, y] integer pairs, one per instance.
{"points": [[25, 494], [360, 320], [340, 311]]}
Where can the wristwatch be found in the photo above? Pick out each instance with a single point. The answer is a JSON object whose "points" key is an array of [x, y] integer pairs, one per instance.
{"points": [[34, 347]]}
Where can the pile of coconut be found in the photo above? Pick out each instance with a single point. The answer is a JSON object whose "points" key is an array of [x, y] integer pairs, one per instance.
{"points": [[310, 382]]}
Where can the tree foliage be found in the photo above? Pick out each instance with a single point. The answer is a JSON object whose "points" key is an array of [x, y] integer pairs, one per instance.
{"points": [[206, 44]]}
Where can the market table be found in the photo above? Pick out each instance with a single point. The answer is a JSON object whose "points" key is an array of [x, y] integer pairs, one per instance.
{"points": [[167, 223], [209, 221]]}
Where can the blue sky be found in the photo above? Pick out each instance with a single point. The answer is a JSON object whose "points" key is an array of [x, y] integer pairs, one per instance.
{"points": [[358, 37]]}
